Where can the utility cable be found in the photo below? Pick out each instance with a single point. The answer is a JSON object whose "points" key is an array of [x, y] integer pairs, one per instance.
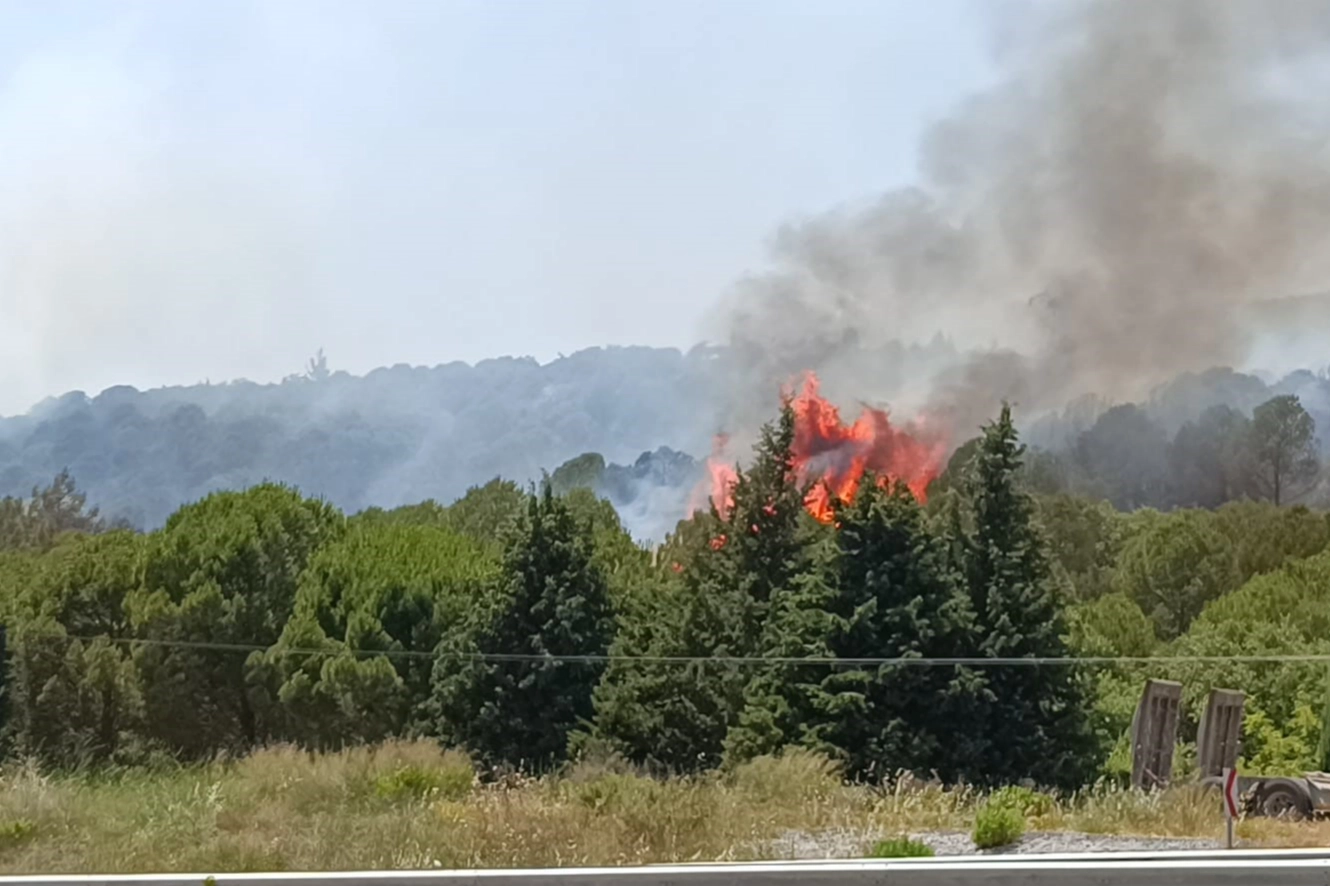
{"points": [[744, 660]]}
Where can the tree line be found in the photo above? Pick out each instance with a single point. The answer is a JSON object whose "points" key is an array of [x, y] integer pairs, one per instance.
{"points": [[1126, 457], [527, 626]]}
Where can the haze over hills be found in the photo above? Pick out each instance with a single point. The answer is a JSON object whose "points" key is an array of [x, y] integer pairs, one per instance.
{"points": [[405, 434], [396, 435]]}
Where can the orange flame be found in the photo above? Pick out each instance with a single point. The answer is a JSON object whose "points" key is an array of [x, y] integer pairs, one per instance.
{"points": [[721, 477], [833, 456]]}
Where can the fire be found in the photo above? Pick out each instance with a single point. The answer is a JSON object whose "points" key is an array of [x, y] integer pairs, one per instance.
{"points": [[721, 477], [833, 456]]}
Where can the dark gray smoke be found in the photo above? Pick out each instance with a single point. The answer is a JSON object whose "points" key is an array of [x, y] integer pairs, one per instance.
{"points": [[1097, 222]]}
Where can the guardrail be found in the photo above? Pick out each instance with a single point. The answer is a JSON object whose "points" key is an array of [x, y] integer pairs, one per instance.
{"points": [[1203, 868], [1220, 868]]}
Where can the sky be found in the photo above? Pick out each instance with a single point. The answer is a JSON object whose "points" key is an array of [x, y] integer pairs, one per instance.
{"points": [[214, 189]]}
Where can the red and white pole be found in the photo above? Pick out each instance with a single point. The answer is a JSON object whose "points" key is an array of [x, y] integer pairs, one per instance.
{"points": [[1230, 802]]}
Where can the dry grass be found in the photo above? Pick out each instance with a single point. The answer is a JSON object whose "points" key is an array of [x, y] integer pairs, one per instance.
{"points": [[411, 805]]}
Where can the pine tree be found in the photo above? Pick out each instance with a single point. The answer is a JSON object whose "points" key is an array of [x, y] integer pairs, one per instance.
{"points": [[506, 688], [1035, 723], [222, 573], [781, 700], [678, 715], [375, 604], [897, 597], [879, 587], [74, 691], [669, 716]]}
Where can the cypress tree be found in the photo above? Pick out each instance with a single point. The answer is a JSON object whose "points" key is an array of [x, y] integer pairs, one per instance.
{"points": [[780, 700], [670, 715], [1035, 720], [735, 564], [880, 587], [897, 597], [552, 603]]}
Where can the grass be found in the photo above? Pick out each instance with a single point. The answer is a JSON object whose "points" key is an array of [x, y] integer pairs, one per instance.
{"points": [[411, 805]]}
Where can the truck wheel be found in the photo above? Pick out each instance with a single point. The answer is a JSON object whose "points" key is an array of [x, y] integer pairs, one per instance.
{"points": [[1283, 801]]}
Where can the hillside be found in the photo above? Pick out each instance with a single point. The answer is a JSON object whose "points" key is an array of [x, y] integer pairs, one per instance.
{"points": [[395, 435], [405, 434]]}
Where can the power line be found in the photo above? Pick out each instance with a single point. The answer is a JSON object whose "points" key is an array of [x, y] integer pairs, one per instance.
{"points": [[744, 660]]}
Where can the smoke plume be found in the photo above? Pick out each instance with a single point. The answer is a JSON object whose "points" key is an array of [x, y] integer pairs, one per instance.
{"points": [[1101, 219]]}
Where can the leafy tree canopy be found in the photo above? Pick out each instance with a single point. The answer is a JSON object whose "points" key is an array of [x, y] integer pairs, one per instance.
{"points": [[1284, 453]]}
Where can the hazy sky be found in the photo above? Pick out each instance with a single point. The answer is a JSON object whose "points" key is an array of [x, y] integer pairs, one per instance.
{"points": [[216, 188]]}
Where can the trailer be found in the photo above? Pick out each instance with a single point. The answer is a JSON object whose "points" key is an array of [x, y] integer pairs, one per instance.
{"points": [[1290, 797], [1154, 734]]}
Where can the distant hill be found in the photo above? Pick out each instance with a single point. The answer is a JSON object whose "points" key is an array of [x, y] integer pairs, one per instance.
{"points": [[404, 434], [393, 436]]}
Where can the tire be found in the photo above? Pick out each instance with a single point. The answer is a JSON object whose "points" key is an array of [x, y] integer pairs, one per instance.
{"points": [[1285, 802]]}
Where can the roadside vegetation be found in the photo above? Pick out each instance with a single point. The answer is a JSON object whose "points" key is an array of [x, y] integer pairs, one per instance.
{"points": [[411, 805], [268, 683]]}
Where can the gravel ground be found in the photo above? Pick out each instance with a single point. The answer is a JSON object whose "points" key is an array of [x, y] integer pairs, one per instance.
{"points": [[1065, 841], [855, 844]]}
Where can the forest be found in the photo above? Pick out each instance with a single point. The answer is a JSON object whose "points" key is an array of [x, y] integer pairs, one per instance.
{"points": [[525, 625]]}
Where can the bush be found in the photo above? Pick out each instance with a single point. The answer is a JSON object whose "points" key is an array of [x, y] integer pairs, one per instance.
{"points": [[16, 831], [416, 782], [636, 807], [605, 784], [450, 778], [997, 825], [612, 792], [901, 847], [1029, 803]]}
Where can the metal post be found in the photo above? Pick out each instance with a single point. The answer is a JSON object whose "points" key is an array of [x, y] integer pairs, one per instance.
{"points": [[1230, 800]]}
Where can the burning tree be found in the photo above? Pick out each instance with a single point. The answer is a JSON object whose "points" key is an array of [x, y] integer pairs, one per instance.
{"points": [[752, 551], [829, 458], [884, 589], [778, 603]]}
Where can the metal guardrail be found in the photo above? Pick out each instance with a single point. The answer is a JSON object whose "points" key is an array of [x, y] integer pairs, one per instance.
{"points": [[1199, 868]]}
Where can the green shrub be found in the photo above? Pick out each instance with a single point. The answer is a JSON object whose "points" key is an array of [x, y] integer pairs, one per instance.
{"points": [[997, 825], [1029, 803], [1286, 748], [605, 783], [612, 791], [16, 831], [901, 847], [415, 782], [638, 806]]}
